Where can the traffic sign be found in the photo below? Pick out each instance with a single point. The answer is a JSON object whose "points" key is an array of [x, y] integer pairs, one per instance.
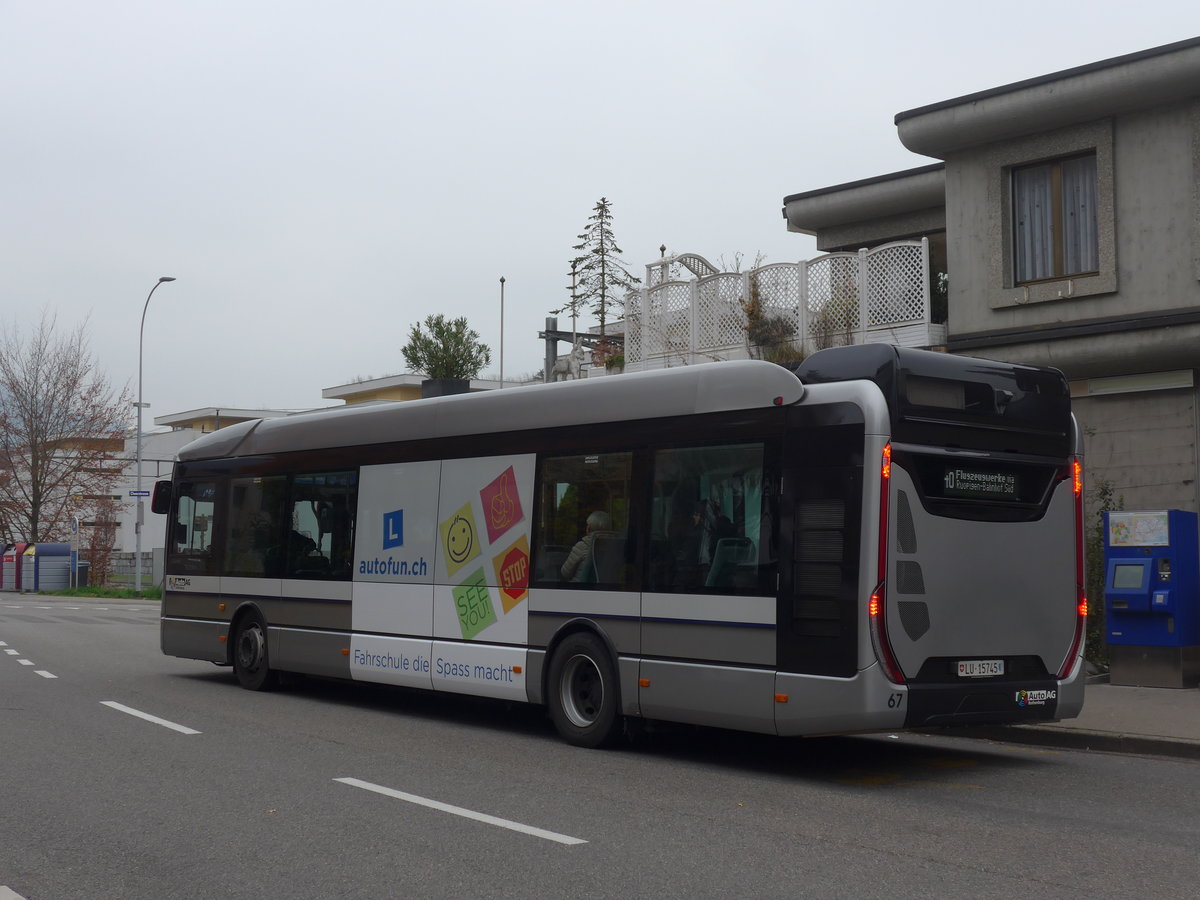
{"points": [[139, 493]]}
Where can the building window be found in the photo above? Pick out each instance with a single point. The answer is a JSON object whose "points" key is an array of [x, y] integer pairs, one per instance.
{"points": [[1054, 219]]}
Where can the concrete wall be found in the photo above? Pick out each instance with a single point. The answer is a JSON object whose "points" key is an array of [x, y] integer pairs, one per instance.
{"points": [[1144, 444], [1148, 219]]}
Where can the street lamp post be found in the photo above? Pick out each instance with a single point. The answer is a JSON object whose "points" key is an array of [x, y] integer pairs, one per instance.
{"points": [[574, 304], [501, 332], [141, 509]]}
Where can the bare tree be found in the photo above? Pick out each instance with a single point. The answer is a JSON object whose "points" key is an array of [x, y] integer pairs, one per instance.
{"points": [[99, 539], [62, 429]]}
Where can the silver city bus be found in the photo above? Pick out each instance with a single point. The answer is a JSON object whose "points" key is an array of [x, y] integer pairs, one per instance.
{"points": [[883, 539]]}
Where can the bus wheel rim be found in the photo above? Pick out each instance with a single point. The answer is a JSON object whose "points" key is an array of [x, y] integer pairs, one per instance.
{"points": [[250, 648], [582, 691]]}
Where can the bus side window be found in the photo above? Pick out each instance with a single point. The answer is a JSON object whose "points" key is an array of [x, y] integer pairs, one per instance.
{"points": [[711, 523], [192, 528], [255, 540], [582, 533], [320, 541]]}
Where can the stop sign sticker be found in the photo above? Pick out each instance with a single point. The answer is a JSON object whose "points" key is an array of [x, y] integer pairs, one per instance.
{"points": [[512, 573]]}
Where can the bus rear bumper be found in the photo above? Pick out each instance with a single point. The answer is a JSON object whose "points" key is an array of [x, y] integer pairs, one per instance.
{"points": [[995, 702]]}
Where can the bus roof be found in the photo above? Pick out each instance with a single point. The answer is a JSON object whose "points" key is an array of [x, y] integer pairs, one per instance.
{"points": [[686, 390], [947, 399]]}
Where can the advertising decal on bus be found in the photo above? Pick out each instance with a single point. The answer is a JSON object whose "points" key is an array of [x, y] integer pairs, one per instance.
{"points": [[443, 549]]}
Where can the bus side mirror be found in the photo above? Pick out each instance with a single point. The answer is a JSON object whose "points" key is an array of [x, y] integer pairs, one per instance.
{"points": [[160, 503]]}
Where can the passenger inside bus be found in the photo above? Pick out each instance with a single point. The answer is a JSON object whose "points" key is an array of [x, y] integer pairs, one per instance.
{"points": [[580, 564]]}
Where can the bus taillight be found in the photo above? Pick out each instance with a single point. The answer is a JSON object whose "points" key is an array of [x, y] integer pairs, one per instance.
{"points": [[877, 606], [879, 637], [1081, 605]]}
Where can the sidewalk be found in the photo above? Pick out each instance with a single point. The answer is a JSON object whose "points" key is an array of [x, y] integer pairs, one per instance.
{"points": [[1116, 719]]}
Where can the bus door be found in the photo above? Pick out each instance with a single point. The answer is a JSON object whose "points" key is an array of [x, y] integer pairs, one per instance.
{"points": [[819, 583]]}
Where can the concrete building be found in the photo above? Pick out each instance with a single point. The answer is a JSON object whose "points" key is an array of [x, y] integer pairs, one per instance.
{"points": [[1065, 213]]}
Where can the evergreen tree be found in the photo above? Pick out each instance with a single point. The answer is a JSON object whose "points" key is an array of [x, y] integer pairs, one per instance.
{"points": [[572, 306], [602, 279]]}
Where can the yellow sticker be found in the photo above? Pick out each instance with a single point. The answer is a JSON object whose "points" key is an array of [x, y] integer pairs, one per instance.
{"points": [[460, 539]]}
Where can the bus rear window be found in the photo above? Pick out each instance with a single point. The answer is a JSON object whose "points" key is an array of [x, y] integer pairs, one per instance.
{"points": [[936, 392], [945, 400]]}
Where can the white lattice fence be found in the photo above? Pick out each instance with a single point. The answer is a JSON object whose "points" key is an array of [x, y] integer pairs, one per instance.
{"points": [[634, 351], [838, 298], [720, 321], [778, 287], [833, 302], [654, 317], [677, 326], [897, 285]]}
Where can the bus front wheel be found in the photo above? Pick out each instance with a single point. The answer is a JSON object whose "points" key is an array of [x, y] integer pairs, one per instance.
{"points": [[583, 696], [250, 655]]}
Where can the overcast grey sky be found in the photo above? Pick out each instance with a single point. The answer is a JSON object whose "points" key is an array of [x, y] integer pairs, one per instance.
{"points": [[321, 175]]}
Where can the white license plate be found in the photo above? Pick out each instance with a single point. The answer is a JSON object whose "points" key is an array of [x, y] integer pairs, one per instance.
{"points": [[980, 668]]}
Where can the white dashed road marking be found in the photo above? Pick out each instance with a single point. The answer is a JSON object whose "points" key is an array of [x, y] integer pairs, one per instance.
{"points": [[460, 811], [182, 729]]}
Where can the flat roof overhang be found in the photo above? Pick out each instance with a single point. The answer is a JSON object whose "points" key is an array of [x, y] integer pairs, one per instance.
{"points": [[867, 200], [1141, 80]]}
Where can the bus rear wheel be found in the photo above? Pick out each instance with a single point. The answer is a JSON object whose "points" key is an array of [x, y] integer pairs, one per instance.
{"points": [[250, 660], [583, 695]]}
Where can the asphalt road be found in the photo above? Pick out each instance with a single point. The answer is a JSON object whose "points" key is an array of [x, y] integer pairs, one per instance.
{"points": [[335, 790]]}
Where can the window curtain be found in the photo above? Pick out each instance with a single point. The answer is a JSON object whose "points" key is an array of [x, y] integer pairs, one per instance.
{"points": [[1080, 253], [1033, 223]]}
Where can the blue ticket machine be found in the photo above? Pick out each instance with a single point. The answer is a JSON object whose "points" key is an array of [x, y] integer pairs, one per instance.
{"points": [[1152, 597]]}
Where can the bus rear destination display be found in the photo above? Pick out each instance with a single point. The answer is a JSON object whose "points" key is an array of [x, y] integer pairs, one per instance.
{"points": [[978, 484]]}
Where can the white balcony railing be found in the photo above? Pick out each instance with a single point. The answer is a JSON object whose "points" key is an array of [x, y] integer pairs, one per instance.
{"points": [[872, 296]]}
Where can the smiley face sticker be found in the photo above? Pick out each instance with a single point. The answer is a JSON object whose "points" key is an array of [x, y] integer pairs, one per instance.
{"points": [[460, 540]]}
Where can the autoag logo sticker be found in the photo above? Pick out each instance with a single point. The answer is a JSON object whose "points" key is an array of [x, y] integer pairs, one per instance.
{"points": [[393, 529], [1035, 698]]}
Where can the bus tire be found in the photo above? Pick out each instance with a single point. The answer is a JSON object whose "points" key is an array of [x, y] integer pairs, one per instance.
{"points": [[583, 694], [250, 659]]}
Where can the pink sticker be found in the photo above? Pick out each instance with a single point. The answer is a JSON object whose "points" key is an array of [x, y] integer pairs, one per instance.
{"points": [[501, 505]]}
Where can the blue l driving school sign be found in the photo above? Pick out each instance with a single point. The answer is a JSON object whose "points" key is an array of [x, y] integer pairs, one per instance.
{"points": [[393, 529]]}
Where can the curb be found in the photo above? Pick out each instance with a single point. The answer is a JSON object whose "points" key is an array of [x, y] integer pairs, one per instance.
{"points": [[1079, 739]]}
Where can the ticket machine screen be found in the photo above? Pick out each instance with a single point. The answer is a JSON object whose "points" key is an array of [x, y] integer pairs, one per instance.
{"points": [[1128, 575]]}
